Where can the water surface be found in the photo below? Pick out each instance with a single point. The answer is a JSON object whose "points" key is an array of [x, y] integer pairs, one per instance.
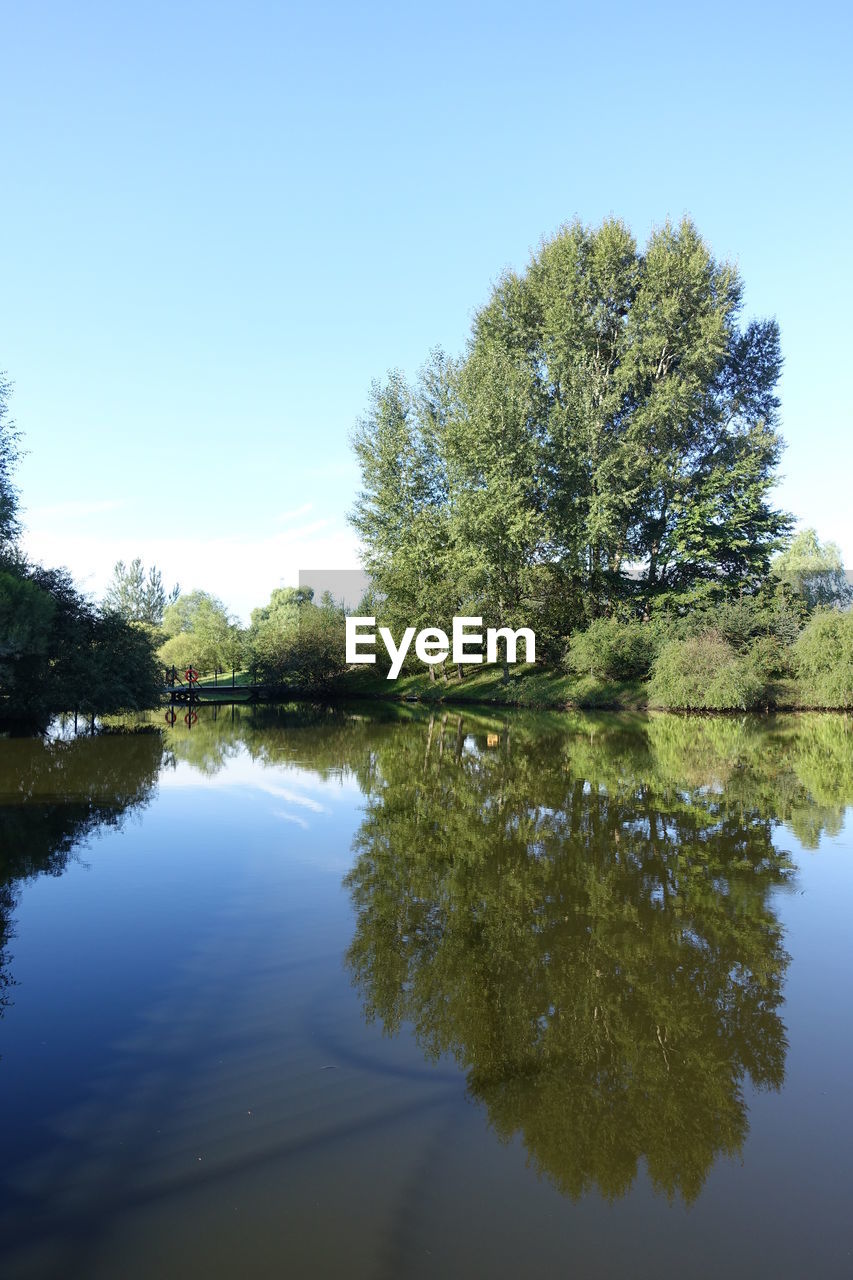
{"points": [[317, 993]]}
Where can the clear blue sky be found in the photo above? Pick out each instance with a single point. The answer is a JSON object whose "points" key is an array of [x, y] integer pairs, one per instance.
{"points": [[220, 222]]}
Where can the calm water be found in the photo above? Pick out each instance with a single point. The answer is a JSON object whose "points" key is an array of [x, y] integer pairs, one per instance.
{"points": [[310, 993]]}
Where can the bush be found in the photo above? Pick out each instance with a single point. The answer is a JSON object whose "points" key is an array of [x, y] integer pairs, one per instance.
{"points": [[771, 657], [613, 650], [316, 656], [705, 673], [823, 657], [738, 621], [307, 650]]}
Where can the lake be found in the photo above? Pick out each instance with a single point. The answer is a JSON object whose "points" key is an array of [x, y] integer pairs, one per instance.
{"points": [[300, 991]]}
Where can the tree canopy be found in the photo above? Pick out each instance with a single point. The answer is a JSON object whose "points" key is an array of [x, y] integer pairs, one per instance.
{"points": [[609, 435], [813, 570], [200, 630]]}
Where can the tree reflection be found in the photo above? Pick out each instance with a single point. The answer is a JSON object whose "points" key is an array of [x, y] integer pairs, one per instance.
{"points": [[583, 920], [55, 795], [578, 908]]}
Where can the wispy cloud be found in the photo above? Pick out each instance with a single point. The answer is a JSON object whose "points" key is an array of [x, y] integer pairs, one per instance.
{"points": [[292, 797], [286, 516], [73, 510], [290, 817]]}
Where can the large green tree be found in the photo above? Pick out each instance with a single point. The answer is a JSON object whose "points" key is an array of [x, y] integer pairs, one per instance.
{"points": [[58, 651], [610, 434]]}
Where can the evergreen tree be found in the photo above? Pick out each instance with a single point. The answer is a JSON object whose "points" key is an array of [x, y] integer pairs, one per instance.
{"points": [[137, 596]]}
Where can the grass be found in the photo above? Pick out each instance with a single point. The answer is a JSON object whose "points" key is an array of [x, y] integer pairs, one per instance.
{"points": [[224, 680], [525, 687], [537, 688], [534, 687]]}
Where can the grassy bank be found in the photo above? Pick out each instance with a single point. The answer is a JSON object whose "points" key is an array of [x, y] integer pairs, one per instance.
{"points": [[533, 687], [536, 687]]}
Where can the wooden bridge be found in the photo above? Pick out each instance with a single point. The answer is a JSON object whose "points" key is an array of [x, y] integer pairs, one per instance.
{"points": [[185, 689]]}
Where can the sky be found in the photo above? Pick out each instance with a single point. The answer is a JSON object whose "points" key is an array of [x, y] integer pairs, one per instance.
{"points": [[220, 222]]}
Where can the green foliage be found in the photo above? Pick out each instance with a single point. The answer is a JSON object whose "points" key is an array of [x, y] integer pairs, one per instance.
{"points": [[201, 632], [138, 597], [813, 570], [824, 659], [609, 411], [272, 632], [705, 672], [58, 652], [315, 657], [26, 615], [297, 643], [401, 512], [614, 650], [739, 621]]}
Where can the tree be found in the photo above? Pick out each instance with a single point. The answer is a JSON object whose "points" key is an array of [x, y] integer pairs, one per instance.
{"points": [[402, 512], [61, 653], [814, 571], [26, 615], [9, 454], [271, 631], [293, 641], [202, 632], [138, 597], [315, 656], [283, 608], [705, 672], [609, 414]]}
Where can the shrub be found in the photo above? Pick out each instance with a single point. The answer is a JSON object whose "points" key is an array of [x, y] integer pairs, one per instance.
{"points": [[316, 656], [823, 657], [308, 650], [771, 657], [705, 672], [738, 621], [613, 650]]}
